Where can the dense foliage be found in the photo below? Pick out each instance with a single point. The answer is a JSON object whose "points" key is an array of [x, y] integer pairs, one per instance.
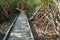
{"points": [[7, 3], [30, 4]]}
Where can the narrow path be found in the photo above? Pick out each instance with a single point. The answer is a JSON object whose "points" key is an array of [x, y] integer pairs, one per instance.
{"points": [[21, 29]]}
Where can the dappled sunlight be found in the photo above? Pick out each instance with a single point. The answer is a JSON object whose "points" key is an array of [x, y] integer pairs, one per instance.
{"points": [[17, 35]]}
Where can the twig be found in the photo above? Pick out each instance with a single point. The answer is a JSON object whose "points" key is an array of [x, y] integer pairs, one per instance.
{"points": [[36, 12], [41, 18], [47, 28], [58, 25], [53, 24]]}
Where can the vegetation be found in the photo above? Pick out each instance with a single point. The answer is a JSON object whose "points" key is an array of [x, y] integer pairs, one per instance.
{"points": [[45, 19], [8, 6]]}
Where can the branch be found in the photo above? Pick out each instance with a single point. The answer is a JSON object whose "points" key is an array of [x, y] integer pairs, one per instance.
{"points": [[36, 12], [53, 23], [41, 18]]}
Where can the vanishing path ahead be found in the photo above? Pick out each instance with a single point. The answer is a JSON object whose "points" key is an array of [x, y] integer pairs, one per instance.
{"points": [[21, 29]]}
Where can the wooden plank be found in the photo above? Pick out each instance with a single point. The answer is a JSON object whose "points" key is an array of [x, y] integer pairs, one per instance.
{"points": [[7, 33]]}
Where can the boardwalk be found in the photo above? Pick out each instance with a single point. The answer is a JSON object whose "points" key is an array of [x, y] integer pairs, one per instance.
{"points": [[21, 29]]}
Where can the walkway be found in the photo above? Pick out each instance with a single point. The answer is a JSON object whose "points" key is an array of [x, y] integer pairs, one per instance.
{"points": [[21, 29]]}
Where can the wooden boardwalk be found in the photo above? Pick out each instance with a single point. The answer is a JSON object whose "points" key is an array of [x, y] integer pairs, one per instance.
{"points": [[21, 29]]}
